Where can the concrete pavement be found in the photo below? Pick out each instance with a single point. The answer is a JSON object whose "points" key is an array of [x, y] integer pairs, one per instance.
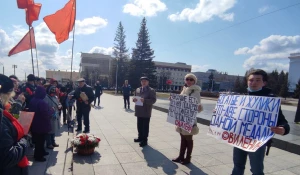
{"points": [[119, 155], [59, 160]]}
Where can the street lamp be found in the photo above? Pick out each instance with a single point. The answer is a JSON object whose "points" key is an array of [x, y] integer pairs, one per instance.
{"points": [[117, 77], [14, 66], [3, 66]]}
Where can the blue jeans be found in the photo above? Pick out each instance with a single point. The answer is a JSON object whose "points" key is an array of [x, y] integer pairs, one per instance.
{"points": [[256, 161], [50, 139]]}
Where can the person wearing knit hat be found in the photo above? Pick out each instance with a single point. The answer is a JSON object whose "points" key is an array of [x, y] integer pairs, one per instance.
{"points": [[190, 89], [6, 89], [190, 75], [13, 144]]}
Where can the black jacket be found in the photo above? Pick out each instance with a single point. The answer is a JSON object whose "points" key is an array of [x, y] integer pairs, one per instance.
{"points": [[12, 151], [281, 119], [88, 91], [98, 90]]}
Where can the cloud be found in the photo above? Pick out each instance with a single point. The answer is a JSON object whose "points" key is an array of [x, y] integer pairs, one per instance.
{"points": [[103, 50], [144, 7], [263, 9], [202, 68], [6, 42], [271, 52], [206, 10], [89, 26]]}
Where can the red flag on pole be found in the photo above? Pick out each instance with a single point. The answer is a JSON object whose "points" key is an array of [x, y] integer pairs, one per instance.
{"points": [[23, 4], [61, 22], [24, 44], [32, 13]]}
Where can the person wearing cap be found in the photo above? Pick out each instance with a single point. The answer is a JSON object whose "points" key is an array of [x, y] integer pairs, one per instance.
{"points": [[143, 113], [84, 96], [28, 89], [186, 145], [13, 143]]}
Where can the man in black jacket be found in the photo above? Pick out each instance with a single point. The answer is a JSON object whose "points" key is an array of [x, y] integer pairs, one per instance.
{"points": [[256, 80], [126, 94], [98, 92], [84, 96]]}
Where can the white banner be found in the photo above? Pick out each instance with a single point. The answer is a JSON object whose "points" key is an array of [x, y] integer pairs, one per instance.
{"points": [[244, 121], [183, 111]]}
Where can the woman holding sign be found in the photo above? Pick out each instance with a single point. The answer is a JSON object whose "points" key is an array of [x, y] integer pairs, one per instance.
{"points": [[12, 142], [189, 89]]}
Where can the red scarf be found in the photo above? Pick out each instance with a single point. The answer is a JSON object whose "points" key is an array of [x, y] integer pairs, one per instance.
{"points": [[24, 162]]}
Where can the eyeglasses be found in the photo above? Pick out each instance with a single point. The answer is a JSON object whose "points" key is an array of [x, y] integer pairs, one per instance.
{"points": [[189, 79]]}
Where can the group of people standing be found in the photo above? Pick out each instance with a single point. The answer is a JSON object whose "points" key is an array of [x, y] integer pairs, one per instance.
{"points": [[47, 100], [257, 86]]}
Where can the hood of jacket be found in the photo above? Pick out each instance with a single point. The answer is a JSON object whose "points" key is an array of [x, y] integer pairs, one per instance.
{"points": [[40, 92], [192, 89]]}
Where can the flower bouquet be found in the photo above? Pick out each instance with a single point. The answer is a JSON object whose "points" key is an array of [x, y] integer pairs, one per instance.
{"points": [[85, 143]]}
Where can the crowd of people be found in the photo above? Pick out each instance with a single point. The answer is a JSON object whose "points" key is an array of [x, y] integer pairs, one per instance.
{"points": [[48, 100]]}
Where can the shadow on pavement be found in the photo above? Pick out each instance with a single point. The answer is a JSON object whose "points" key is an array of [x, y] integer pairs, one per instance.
{"points": [[91, 159], [158, 161], [129, 110]]}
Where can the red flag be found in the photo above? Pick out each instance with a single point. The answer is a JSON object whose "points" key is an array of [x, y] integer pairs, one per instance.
{"points": [[23, 4], [32, 13], [24, 44], [61, 22]]}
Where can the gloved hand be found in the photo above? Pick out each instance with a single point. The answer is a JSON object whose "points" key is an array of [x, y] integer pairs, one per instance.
{"points": [[24, 141]]}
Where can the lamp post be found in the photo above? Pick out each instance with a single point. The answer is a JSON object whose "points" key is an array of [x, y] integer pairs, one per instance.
{"points": [[117, 77], [3, 66], [14, 66]]}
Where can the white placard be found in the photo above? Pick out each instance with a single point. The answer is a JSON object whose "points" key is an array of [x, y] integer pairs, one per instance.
{"points": [[138, 102], [183, 111], [244, 121]]}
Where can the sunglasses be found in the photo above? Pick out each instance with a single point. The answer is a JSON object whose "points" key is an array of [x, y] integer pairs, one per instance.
{"points": [[189, 79]]}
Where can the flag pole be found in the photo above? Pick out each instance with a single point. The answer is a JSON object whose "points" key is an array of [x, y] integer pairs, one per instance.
{"points": [[73, 39], [31, 49], [37, 61]]}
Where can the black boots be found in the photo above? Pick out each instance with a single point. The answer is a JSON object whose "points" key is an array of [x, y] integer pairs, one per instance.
{"points": [[183, 145], [190, 145]]}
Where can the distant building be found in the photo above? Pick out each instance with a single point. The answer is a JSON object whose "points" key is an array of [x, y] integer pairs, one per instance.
{"points": [[294, 70], [97, 62], [171, 71], [222, 81], [62, 76]]}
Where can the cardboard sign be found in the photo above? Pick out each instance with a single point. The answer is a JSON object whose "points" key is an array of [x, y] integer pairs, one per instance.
{"points": [[183, 111], [244, 121], [25, 120]]}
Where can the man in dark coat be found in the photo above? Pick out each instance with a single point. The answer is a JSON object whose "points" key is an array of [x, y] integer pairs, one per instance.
{"points": [[98, 92], [143, 113], [84, 96], [256, 80], [126, 94], [28, 89], [297, 116]]}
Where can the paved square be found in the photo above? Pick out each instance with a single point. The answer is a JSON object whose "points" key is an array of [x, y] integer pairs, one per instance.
{"points": [[118, 154]]}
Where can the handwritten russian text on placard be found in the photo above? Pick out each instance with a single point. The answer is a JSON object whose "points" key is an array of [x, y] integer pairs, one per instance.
{"points": [[183, 111], [244, 121]]}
